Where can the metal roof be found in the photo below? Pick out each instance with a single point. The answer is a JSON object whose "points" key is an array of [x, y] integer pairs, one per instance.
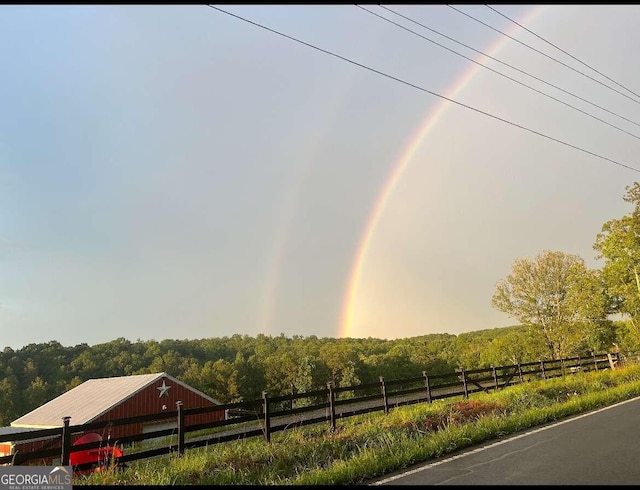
{"points": [[21, 430], [91, 399], [8, 430]]}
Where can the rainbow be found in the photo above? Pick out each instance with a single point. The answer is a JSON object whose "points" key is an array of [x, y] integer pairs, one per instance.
{"points": [[346, 325]]}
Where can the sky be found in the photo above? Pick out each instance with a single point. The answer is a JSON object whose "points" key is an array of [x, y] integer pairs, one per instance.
{"points": [[175, 172]]}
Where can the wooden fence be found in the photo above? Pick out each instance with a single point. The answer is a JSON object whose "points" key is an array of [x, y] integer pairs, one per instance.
{"points": [[270, 414]]}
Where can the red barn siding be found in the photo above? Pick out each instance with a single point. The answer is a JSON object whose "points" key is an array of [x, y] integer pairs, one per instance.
{"points": [[148, 401], [23, 447]]}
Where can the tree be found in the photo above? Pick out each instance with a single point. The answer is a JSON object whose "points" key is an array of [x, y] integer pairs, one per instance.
{"points": [[554, 295], [619, 244], [221, 381], [596, 331], [9, 399], [515, 345], [37, 393], [342, 358]]}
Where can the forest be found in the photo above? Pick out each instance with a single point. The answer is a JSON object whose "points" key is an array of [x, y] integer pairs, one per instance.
{"points": [[240, 367], [562, 309]]}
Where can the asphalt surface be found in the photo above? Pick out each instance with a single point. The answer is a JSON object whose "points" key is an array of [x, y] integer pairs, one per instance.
{"points": [[601, 447]]}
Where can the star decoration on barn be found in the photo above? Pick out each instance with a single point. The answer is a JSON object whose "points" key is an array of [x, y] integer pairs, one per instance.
{"points": [[163, 389]]}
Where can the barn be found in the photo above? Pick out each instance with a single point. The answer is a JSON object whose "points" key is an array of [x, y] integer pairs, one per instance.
{"points": [[104, 399]]}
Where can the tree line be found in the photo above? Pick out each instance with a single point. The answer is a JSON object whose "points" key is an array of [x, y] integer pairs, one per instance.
{"points": [[240, 367], [564, 309]]}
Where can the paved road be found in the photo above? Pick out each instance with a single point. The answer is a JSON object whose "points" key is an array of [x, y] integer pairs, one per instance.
{"points": [[597, 448]]}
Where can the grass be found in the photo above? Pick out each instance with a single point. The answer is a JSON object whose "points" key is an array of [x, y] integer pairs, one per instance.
{"points": [[371, 445]]}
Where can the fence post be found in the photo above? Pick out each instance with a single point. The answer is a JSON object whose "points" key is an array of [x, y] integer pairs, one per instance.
{"points": [[267, 416], [495, 377], [293, 392], [579, 364], [383, 388], [595, 360], [332, 408], [180, 428], [520, 373], [66, 441], [464, 383], [544, 376], [427, 386]]}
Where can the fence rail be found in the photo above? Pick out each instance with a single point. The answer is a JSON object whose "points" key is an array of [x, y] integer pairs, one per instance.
{"points": [[269, 414]]}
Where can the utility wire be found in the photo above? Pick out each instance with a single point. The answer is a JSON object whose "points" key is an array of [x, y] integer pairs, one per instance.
{"points": [[544, 54], [502, 74], [560, 49], [428, 91], [510, 66]]}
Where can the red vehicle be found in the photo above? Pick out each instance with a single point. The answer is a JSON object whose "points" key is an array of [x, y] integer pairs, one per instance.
{"points": [[100, 457]]}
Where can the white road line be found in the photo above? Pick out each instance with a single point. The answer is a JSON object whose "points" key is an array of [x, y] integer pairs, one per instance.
{"points": [[473, 451]]}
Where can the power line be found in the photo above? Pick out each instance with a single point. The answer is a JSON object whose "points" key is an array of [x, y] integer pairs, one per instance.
{"points": [[502, 74], [544, 54], [422, 89], [560, 49], [510, 66]]}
